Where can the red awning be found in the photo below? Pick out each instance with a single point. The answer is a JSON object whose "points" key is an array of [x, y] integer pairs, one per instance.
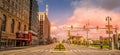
{"points": [[21, 36], [22, 39]]}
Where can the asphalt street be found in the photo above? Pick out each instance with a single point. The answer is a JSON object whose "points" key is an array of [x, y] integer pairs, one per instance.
{"points": [[70, 50]]}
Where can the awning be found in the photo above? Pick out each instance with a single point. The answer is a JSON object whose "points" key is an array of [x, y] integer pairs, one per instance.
{"points": [[22, 39], [23, 32], [33, 32], [21, 35]]}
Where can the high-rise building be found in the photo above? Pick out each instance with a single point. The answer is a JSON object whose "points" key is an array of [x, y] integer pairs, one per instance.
{"points": [[34, 21], [14, 15], [44, 28]]}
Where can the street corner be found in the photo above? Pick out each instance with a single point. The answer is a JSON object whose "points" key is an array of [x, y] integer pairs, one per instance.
{"points": [[115, 51]]}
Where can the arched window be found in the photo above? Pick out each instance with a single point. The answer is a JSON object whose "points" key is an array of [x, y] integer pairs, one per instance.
{"points": [[12, 25], [24, 27], [2, 4], [19, 25], [4, 23]]}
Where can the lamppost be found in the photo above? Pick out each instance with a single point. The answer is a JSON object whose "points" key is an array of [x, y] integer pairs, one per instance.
{"points": [[87, 32], [116, 44], [86, 28], [111, 45]]}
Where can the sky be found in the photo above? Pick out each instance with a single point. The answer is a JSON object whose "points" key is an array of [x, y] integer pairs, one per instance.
{"points": [[78, 13]]}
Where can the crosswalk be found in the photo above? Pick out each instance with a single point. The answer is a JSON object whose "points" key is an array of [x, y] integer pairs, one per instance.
{"points": [[42, 50], [70, 50]]}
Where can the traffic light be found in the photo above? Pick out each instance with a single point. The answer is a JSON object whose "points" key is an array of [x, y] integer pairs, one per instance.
{"points": [[97, 27], [109, 26], [71, 26], [84, 27]]}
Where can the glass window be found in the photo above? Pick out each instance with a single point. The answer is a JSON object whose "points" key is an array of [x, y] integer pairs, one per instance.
{"points": [[12, 25], [4, 23], [19, 25], [24, 27], [7, 8], [8, 0], [13, 3], [2, 4]]}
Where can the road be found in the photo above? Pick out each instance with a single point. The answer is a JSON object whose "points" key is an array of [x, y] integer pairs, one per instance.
{"points": [[71, 50]]}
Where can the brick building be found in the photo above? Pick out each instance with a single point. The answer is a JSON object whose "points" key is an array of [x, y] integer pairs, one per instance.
{"points": [[14, 19]]}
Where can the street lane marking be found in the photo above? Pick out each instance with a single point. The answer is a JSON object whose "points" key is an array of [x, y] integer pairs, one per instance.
{"points": [[42, 51], [78, 50], [71, 51], [75, 50], [46, 50], [35, 51]]}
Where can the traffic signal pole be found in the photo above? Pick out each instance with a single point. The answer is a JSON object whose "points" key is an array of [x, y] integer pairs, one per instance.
{"points": [[111, 43]]}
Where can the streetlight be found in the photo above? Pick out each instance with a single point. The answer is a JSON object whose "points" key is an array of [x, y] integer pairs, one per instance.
{"points": [[111, 45], [87, 29], [87, 32]]}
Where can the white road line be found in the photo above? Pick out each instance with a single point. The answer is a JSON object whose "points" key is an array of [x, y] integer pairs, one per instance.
{"points": [[41, 50], [71, 51], [46, 50], [35, 51], [75, 50], [78, 50]]}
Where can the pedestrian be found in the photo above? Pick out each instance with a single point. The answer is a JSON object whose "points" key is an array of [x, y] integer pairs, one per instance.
{"points": [[101, 45]]}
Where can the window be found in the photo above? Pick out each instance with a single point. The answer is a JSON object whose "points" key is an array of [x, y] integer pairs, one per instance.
{"points": [[24, 27], [4, 23], [16, 0], [2, 4], [8, 0], [19, 25], [41, 16], [13, 3], [12, 25], [7, 8]]}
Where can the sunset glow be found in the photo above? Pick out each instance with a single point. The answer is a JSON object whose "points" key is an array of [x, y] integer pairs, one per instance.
{"points": [[84, 11]]}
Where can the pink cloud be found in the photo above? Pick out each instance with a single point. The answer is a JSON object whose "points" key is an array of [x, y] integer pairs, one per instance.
{"points": [[58, 31], [84, 13], [95, 16]]}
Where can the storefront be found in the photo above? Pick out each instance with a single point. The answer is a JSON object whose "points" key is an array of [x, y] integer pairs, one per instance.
{"points": [[34, 38], [23, 38], [5, 43]]}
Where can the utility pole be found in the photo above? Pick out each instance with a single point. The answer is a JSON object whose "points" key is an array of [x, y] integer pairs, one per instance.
{"points": [[87, 33], [111, 44], [87, 37], [69, 37], [117, 44]]}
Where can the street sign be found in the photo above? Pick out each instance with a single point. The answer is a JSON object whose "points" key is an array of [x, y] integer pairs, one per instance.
{"points": [[107, 26], [97, 27]]}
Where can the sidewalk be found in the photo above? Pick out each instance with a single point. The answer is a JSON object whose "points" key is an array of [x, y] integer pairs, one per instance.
{"points": [[114, 50], [15, 48]]}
